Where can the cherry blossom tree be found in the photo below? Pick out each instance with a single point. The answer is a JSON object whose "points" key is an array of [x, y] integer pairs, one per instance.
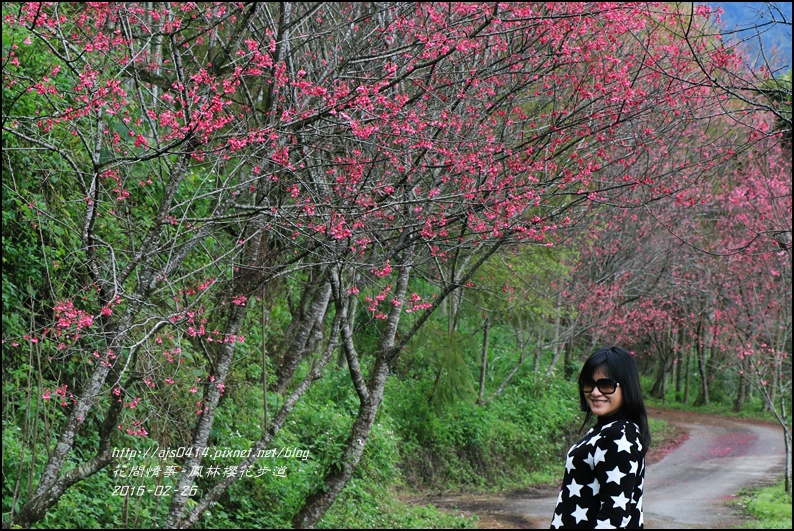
{"points": [[209, 153], [756, 304], [708, 272]]}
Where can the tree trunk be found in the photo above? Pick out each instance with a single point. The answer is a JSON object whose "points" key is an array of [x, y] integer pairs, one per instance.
{"points": [[370, 398], [484, 364], [555, 342], [557, 352], [535, 363], [506, 380], [687, 369], [774, 385], [741, 393], [201, 433], [303, 340], [787, 436], [568, 368], [352, 308], [785, 421], [703, 396], [316, 505], [659, 388]]}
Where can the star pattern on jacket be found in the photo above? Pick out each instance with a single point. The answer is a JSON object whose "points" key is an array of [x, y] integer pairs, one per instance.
{"points": [[603, 480]]}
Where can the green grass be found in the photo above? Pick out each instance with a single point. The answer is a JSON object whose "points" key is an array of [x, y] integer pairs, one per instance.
{"points": [[767, 507], [662, 433], [749, 411], [385, 510]]}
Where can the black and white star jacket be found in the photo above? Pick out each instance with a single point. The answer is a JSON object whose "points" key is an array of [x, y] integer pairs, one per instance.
{"points": [[604, 476]]}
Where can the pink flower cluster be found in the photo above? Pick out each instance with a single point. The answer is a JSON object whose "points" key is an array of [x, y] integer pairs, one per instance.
{"points": [[63, 396], [137, 429], [68, 316], [384, 272], [416, 304]]}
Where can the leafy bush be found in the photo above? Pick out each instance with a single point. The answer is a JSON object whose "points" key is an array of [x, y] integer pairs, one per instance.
{"points": [[499, 445]]}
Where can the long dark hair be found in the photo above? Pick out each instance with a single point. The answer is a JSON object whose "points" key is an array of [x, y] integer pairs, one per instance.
{"points": [[619, 365]]}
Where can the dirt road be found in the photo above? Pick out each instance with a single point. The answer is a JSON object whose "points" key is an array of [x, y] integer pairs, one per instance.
{"points": [[687, 489]]}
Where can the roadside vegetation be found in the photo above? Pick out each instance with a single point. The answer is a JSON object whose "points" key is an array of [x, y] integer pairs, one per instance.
{"points": [[766, 507]]}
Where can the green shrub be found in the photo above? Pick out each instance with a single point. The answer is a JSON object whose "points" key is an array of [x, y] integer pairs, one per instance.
{"points": [[499, 445], [768, 507]]}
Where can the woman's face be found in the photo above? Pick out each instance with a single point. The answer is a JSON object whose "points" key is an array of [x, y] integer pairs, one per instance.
{"points": [[600, 404]]}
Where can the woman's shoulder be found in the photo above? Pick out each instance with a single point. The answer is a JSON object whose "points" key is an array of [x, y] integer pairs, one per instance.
{"points": [[618, 428], [621, 432]]}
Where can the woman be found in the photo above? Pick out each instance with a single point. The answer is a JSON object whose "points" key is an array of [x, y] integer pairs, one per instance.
{"points": [[605, 470]]}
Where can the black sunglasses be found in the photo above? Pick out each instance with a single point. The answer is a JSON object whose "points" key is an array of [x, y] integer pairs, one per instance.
{"points": [[607, 386]]}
